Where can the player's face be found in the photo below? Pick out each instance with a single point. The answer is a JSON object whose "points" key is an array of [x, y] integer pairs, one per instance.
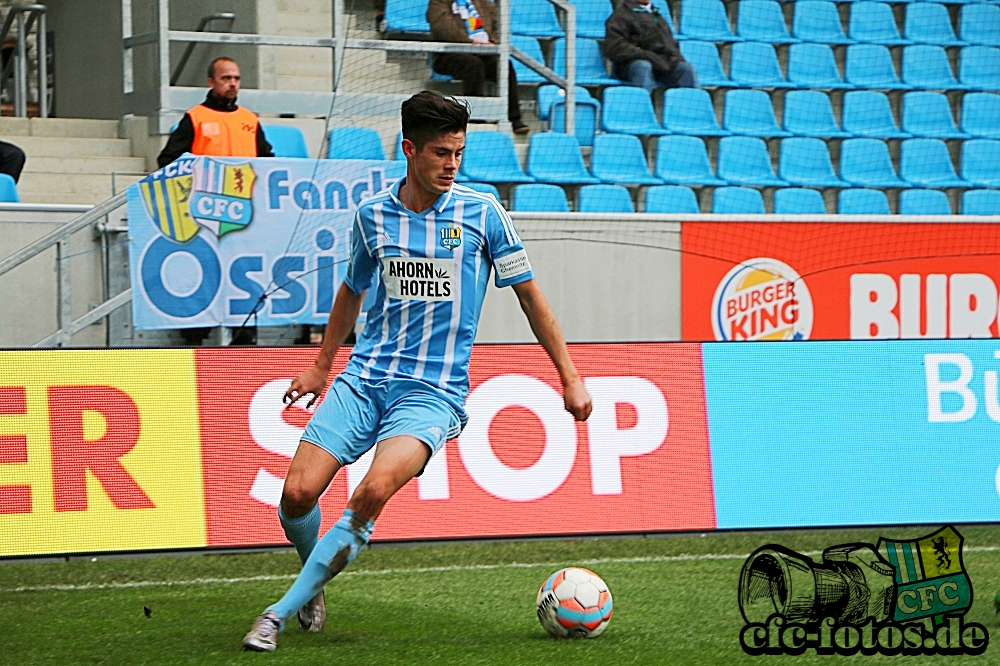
{"points": [[436, 163], [226, 82]]}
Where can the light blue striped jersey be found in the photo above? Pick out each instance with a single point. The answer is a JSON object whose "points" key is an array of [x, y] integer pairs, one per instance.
{"points": [[433, 269]]}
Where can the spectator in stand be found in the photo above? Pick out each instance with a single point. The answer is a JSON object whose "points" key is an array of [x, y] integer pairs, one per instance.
{"points": [[472, 22], [639, 43], [11, 160]]}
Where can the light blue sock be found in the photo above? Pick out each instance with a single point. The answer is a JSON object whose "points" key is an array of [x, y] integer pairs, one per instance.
{"points": [[335, 550], [303, 531]]}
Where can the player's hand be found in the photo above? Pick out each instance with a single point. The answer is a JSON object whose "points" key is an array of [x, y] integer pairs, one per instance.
{"points": [[311, 382], [577, 400]]}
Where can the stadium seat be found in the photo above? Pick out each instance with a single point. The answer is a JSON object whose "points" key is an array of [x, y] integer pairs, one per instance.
{"points": [[980, 202], [762, 21], [928, 115], [870, 66], [548, 95], [590, 70], [798, 201], [806, 162], [405, 16], [929, 23], [705, 20], [981, 162], [354, 143], [629, 110], [926, 163], [813, 66], [866, 163], [683, 160], [8, 189], [690, 111], [868, 114], [749, 113], [980, 24], [590, 17], [755, 65], [531, 48], [485, 188], [862, 202], [540, 198], [534, 18], [588, 110], [287, 141], [619, 158], [979, 68], [981, 115], [809, 113], [874, 23], [489, 157], [705, 58], [923, 202], [604, 199], [818, 22], [739, 200], [554, 157], [743, 160], [927, 67], [671, 199]]}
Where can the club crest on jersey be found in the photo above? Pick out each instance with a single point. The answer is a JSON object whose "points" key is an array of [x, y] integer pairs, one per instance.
{"points": [[451, 237]]}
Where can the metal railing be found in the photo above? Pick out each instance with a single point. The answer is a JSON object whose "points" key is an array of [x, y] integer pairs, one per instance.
{"points": [[229, 17], [26, 17]]}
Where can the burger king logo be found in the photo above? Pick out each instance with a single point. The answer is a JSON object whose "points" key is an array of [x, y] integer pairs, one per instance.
{"points": [[762, 299]]}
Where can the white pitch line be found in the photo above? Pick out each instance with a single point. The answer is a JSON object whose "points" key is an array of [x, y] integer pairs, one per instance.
{"points": [[414, 570]]}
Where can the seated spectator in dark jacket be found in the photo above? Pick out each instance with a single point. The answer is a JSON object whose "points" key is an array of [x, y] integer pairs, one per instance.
{"points": [[11, 160], [639, 43]]}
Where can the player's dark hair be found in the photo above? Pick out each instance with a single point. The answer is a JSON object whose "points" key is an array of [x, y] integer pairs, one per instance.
{"points": [[429, 114], [211, 65]]}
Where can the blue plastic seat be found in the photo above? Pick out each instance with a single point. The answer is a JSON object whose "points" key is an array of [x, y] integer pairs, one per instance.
{"points": [[862, 202], [604, 199], [981, 162], [762, 21], [866, 163], [798, 201], [705, 20], [927, 67], [926, 163], [928, 114], [588, 110], [683, 160], [705, 58], [554, 157], [405, 16], [980, 24], [619, 158], [590, 69], [749, 113], [929, 23], [981, 115], [923, 202], [870, 66], [548, 95], [629, 110], [690, 111], [531, 48], [981, 202], [874, 23], [485, 188], [287, 141], [818, 22], [755, 65], [743, 160], [534, 18], [8, 189], [671, 199], [489, 157], [809, 113], [738, 200], [868, 114], [590, 17], [806, 162], [813, 66], [540, 198], [979, 68], [354, 143]]}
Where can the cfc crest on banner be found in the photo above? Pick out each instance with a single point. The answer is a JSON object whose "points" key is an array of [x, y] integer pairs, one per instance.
{"points": [[165, 194], [221, 199]]}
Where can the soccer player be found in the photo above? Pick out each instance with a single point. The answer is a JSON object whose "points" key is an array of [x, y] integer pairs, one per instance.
{"points": [[432, 244]]}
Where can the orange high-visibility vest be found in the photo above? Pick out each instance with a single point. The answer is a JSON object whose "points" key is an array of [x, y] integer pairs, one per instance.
{"points": [[224, 133]]}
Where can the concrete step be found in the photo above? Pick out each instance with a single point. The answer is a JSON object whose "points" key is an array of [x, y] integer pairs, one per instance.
{"points": [[71, 183], [59, 127], [287, 55], [310, 83], [366, 58], [48, 146], [304, 24], [96, 165], [395, 87], [311, 6], [63, 198]]}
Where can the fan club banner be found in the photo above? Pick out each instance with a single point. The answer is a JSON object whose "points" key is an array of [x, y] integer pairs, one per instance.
{"points": [[214, 240], [112, 450]]}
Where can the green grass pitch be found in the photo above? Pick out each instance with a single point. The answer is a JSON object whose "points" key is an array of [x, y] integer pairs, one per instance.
{"points": [[675, 603]]}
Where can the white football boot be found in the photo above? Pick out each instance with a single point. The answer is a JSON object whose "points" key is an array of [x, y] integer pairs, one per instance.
{"points": [[263, 636], [312, 616]]}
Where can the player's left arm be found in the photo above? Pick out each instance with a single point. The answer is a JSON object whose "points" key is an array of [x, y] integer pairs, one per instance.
{"points": [[546, 328]]}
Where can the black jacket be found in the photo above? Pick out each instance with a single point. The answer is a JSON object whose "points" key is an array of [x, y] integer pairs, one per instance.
{"points": [[632, 33], [182, 138]]}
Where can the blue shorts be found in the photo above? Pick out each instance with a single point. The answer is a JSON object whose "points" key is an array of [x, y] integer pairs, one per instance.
{"points": [[358, 413]]}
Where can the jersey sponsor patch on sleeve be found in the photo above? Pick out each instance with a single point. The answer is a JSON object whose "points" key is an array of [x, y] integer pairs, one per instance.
{"points": [[414, 278], [513, 264]]}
